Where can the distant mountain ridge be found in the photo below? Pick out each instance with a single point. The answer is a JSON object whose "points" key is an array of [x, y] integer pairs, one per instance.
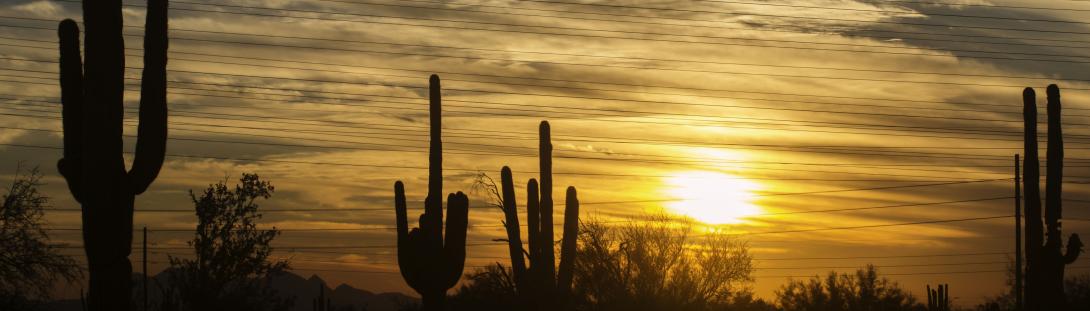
{"points": [[343, 297], [288, 284]]}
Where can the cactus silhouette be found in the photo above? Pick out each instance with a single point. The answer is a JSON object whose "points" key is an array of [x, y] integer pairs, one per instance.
{"points": [[938, 299], [1044, 260], [321, 303], [429, 263], [540, 284], [92, 99]]}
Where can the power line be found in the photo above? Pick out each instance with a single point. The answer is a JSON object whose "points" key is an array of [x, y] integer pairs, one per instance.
{"points": [[576, 81], [607, 139], [896, 274], [715, 164], [583, 18], [486, 207], [957, 131], [882, 207], [617, 112], [501, 226], [887, 266], [883, 256], [853, 151], [983, 5], [790, 16], [505, 243], [582, 64], [885, 11], [644, 17], [848, 152], [883, 152], [561, 80], [884, 166], [624, 38], [926, 222], [716, 21], [590, 203]]}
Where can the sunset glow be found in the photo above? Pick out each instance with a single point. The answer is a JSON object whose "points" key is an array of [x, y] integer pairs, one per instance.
{"points": [[713, 198], [819, 135]]}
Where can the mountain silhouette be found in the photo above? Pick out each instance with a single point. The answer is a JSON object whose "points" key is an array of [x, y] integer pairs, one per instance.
{"points": [[287, 284]]}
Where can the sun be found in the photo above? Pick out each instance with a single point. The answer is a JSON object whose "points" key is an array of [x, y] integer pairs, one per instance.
{"points": [[711, 197]]}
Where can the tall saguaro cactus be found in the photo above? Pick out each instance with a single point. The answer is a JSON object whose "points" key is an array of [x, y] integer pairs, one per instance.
{"points": [[1044, 258], [92, 98], [429, 263], [540, 285]]}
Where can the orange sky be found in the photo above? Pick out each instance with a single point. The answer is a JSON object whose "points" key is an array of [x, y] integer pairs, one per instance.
{"points": [[797, 100]]}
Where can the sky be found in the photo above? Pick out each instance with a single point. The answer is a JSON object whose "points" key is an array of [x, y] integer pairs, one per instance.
{"points": [[750, 117]]}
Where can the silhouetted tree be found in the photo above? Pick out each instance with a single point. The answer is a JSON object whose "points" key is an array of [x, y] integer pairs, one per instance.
{"points": [[430, 263], [92, 98], [1045, 261], [863, 291], [232, 268], [656, 264], [29, 264]]}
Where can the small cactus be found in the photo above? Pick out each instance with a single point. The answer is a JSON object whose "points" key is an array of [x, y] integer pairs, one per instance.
{"points": [[321, 303], [539, 284], [429, 263], [92, 100], [1045, 259], [938, 299]]}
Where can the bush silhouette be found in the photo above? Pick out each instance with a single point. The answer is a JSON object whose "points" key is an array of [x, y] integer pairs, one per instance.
{"points": [[863, 290], [232, 265]]}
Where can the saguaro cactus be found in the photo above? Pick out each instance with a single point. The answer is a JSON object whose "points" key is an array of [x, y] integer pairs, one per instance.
{"points": [[938, 299], [92, 98], [1044, 258], [540, 285], [429, 263]]}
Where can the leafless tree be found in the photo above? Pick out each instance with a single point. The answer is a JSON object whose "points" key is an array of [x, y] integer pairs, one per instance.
{"points": [[29, 264], [659, 264]]}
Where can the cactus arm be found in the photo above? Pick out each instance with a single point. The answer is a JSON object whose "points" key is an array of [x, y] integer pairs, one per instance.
{"points": [[1074, 247], [567, 245], [1055, 159], [431, 223], [435, 153], [533, 227], [546, 169], [454, 252], [406, 249], [152, 132], [71, 67], [514, 239], [1032, 177]]}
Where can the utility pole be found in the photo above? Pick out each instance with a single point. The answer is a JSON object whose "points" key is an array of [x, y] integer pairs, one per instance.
{"points": [[1017, 234], [145, 268]]}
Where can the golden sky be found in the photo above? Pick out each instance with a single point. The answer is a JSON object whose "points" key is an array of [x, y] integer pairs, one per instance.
{"points": [[745, 108]]}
